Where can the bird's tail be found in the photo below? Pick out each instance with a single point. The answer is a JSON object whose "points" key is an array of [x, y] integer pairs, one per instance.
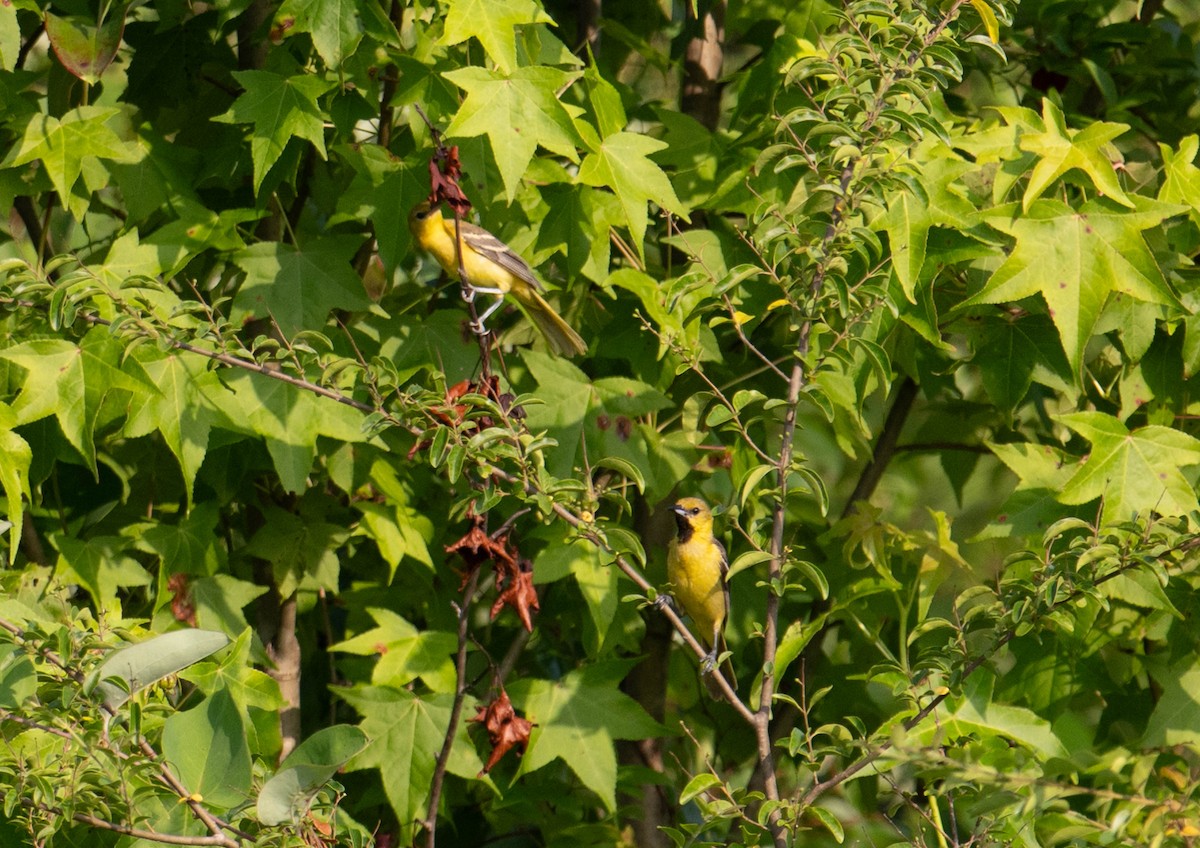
{"points": [[559, 334]]}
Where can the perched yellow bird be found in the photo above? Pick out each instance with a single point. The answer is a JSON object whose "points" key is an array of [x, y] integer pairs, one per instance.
{"points": [[697, 567], [492, 268]]}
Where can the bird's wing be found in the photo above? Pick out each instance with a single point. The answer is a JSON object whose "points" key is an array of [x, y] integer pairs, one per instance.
{"points": [[487, 245], [724, 578]]}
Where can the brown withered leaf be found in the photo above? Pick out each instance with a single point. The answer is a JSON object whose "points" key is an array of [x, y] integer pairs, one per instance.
{"points": [[181, 598], [518, 594], [476, 547], [445, 170], [505, 729]]}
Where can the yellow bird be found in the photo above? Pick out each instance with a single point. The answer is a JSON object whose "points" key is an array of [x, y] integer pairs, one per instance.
{"points": [[492, 267], [697, 567]]}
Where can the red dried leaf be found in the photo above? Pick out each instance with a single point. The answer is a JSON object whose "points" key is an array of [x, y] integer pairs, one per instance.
{"points": [[505, 729], [181, 598], [519, 594], [445, 171], [477, 547]]}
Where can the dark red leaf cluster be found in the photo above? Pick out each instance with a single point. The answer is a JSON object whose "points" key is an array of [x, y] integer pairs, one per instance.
{"points": [[445, 170], [181, 598], [514, 574], [505, 729]]}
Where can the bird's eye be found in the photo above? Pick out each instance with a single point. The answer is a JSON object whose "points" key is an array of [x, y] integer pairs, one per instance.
{"points": [[695, 510]]}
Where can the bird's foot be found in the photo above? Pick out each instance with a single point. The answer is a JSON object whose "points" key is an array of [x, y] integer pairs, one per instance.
{"points": [[709, 662], [664, 600]]}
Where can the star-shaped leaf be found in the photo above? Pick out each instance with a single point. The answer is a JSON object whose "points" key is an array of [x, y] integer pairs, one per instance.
{"points": [[297, 287], [517, 112], [1011, 354], [405, 653], [290, 421], [100, 565], [1033, 505], [1181, 177], [1060, 150], [621, 162], [183, 411], [335, 26], [72, 382], [406, 734], [1075, 259], [1134, 471], [280, 108], [65, 146], [302, 551], [578, 718], [191, 545], [493, 22], [236, 674]]}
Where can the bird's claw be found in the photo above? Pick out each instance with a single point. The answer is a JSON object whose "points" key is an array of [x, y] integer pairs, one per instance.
{"points": [[708, 663], [478, 328], [664, 600]]}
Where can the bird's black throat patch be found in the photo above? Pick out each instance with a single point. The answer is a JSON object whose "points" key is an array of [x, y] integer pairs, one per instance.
{"points": [[683, 526]]}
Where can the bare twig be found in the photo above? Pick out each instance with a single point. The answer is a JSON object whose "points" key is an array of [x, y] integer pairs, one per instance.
{"points": [[460, 694]]}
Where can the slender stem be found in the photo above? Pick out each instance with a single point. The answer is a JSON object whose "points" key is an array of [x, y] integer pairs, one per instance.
{"points": [[460, 693]]}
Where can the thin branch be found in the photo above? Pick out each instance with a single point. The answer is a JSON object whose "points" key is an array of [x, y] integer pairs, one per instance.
{"points": [[460, 693], [149, 835]]}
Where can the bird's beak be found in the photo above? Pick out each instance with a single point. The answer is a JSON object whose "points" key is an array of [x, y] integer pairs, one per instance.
{"points": [[678, 510]]}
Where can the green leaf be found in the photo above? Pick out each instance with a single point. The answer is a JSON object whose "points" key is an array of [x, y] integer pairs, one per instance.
{"points": [[1181, 177], [10, 37], [184, 411], [280, 108], [190, 546], [1013, 353], [100, 565], [15, 459], [236, 674], [1060, 150], [578, 719], [598, 584], [84, 49], [335, 26], [975, 712], [993, 30], [302, 551], [1076, 259], [72, 383], [206, 746], [1134, 471], [145, 663], [405, 653], [493, 23], [290, 420], [1176, 717], [68, 145], [286, 797], [621, 162], [499, 102], [698, 785], [297, 287], [406, 734], [907, 223], [18, 677]]}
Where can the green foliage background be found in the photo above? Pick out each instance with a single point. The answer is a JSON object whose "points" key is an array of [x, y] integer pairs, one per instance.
{"points": [[907, 290]]}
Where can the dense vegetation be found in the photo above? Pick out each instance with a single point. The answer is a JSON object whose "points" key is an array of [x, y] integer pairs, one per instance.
{"points": [[904, 289]]}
